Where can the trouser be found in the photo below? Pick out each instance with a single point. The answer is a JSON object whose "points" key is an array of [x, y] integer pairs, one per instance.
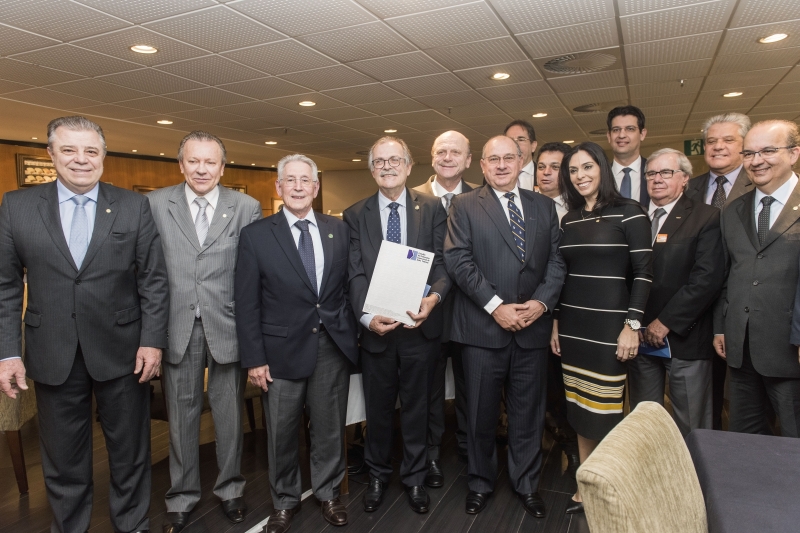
{"points": [[436, 424]]}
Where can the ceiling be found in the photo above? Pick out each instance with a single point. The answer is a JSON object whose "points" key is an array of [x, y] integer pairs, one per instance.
{"points": [[239, 69]]}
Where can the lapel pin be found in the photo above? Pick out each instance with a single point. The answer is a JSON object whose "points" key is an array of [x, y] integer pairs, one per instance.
{"points": [[330, 235], [794, 208], [224, 215], [109, 210], [416, 208]]}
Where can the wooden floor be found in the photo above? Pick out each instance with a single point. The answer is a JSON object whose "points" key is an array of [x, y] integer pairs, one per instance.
{"points": [[30, 513]]}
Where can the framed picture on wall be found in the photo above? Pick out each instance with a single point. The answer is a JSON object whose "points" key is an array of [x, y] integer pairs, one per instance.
{"points": [[34, 170], [144, 189], [277, 204], [238, 188]]}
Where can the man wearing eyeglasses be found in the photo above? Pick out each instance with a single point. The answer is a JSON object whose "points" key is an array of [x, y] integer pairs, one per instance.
{"points": [[523, 132], [626, 132], [688, 272], [297, 337], [397, 358], [753, 319]]}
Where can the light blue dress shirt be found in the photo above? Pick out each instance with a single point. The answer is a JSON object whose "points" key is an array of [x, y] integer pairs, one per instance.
{"points": [[66, 208], [711, 185]]}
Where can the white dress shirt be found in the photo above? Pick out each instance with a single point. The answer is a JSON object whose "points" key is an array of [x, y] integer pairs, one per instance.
{"points": [[316, 240], [781, 197], [66, 208], [711, 186], [212, 197], [526, 176], [440, 191], [636, 176], [667, 208], [561, 207]]}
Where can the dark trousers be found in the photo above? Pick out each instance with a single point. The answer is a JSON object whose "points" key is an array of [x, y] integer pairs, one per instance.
{"points": [[436, 415], [406, 368], [557, 404], [65, 432], [523, 373], [719, 370]]}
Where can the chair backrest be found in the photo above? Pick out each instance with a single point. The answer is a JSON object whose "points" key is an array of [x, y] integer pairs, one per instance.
{"points": [[641, 479]]}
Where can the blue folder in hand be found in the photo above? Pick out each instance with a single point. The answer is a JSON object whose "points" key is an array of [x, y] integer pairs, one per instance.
{"points": [[663, 351]]}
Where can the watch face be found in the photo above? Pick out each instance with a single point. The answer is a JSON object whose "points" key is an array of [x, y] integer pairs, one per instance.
{"points": [[634, 324]]}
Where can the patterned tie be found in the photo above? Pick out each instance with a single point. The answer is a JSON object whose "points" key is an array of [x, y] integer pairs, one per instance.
{"points": [[306, 249], [763, 219], [393, 227], [657, 214], [718, 200], [517, 225], [79, 230], [625, 188], [201, 220], [448, 199]]}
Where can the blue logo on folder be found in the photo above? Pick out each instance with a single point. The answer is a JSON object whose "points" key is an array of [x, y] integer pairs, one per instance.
{"points": [[412, 255]]}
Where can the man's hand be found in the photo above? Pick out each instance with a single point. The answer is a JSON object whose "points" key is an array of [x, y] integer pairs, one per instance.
{"points": [[12, 370], [507, 315], [719, 345], [627, 344], [148, 362], [554, 344], [655, 333], [382, 325], [260, 377], [531, 312], [425, 308]]}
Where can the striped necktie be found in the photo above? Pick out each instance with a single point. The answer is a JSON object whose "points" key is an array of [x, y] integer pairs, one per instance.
{"points": [[517, 225], [201, 220]]}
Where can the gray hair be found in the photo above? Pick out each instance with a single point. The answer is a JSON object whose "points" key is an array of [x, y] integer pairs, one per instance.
{"points": [[74, 123], [519, 150], [390, 139], [743, 121], [297, 157], [198, 135], [683, 162]]}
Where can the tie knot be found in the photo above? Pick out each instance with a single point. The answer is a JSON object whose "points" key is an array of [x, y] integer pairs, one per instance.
{"points": [[201, 202], [302, 224], [449, 196], [721, 179], [510, 196], [393, 206], [767, 200], [658, 213], [80, 199], [626, 171]]}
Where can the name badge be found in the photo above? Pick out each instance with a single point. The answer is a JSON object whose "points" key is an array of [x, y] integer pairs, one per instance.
{"points": [[661, 237]]}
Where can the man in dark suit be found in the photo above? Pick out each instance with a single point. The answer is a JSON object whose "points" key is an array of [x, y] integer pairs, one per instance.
{"points": [[451, 158], [397, 359], [688, 272], [296, 335], [96, 323], [502, 252], [725, 182], [752, 321], [626, 132]]}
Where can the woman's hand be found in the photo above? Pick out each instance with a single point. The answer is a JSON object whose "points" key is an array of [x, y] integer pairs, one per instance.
{"points": [[554, 344], [627, 344]]}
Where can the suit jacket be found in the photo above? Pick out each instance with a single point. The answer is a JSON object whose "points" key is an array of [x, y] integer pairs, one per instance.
{"points": [[482, 259], [426, 224], [114, 303], [688, 273], [202, 273], [760, 287], [698, 187], [279, 310], [447, 305]]}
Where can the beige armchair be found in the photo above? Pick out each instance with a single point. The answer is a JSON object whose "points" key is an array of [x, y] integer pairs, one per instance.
{"points": [[641, 479]]}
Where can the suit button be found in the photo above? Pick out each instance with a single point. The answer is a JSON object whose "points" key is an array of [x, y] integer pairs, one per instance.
{"points": [[74, 315], [199, 282], [318, 306], [191, 306], [746, 309], [755, 282], [760, 256], [77, 282], [314, 330]]}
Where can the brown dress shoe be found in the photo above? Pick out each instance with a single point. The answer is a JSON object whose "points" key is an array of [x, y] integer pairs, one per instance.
{"points": [[280, 520], [334, 512]]}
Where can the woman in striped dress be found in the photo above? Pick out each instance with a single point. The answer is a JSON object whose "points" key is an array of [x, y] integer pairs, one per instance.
{"points": [[607, 247]]}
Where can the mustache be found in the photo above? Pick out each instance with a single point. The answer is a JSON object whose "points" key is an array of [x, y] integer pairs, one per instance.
{"points": [[388, 173]]}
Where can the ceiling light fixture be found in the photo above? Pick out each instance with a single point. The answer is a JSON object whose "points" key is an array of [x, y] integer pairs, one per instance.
{"points": [[389, 131], [134, 150], [144, 49], [732, 94], [270, 142], [307, 103], [569, 142], [164, 121], [34, 138], [501, 76], [773, 38], [162, 153], [232, 162], [356, 160], [252, 164], [539, 115]]}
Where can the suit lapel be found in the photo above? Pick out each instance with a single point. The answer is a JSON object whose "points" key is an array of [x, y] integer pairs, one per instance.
{"points": [[491, 204], [741, 186], [179, 210], [680, 212], [283, 234], [698, 187], [326, 236], [372, 218], [51, 216], [412, 218], [789, 215], [428, 186], [531, 220], [103, 221], [223, 214], [746, 212]]}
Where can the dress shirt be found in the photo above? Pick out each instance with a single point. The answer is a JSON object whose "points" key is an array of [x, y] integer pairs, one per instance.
{"points": [[66, 208], [667, 208], [526, 177], [316, 240], [636, 176], [212, 197], [561, 207], [440, 191], [781, 197], [711, 186]]}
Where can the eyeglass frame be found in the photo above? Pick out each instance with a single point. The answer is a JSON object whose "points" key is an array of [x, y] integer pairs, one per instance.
{"points": [[660, 173], [495, 163], [381, 163], [304, 181], [616, 130], [751, 154]]}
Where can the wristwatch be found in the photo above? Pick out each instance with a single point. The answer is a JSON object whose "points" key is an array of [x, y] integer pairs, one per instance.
{"points": [[633, 324]]}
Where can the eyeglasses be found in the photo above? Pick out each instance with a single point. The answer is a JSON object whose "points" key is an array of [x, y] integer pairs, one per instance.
{"points": [[765, 152], [393, 161], [665, 174], [521, 139], [616, 130], [495, 159], [304, 181]]}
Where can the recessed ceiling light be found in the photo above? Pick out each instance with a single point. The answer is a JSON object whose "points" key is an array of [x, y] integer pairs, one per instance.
{"points": [[34, 138], [134, 150], [270, 142], [144, 49], [732, 94], [232, 162], [389, 131], [164, 121], [356, 160], [252, 164], [307, 103], [569, 142], [773, 38], [501, 76], [539, 115]]}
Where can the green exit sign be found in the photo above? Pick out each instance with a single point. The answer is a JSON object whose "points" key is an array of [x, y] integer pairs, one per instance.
{"points": [[693, 147]]}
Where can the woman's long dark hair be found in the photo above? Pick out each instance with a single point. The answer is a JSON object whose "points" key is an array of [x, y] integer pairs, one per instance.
{"points": [[607, 193]]}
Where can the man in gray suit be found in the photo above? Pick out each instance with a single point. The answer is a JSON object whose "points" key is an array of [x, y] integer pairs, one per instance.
{"points": [[451, 158], [96, 323], [752, 321], [199, 222]]}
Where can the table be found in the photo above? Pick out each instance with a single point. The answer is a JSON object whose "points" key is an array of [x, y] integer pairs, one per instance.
{"points": [[751, 483]]}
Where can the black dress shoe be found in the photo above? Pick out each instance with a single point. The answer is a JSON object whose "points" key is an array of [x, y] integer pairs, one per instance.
{"points": [[175, 522], [280, 520], [235, 509], [418, 498], [435, 477], [476, 502], [574, 507], [373, 495], [533, 503], [573, 462]]}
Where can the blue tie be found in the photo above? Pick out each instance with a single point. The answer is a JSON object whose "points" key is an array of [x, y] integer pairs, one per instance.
{"points": [[393, 227], [306, 249], [517, 225], [625, 188], [79, 230]]}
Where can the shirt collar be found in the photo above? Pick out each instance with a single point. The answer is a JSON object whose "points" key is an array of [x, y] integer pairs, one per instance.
{"points": [[212, 196], [635, 167], [65, 194], [782, 194], [730, 176], [291, 219], [667, 208], [383, 202], [501, 194], [440, 191], [529, 168]]}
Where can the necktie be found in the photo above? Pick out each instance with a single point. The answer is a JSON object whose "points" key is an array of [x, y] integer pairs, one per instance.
{"points": [[448, 199], [306, 249], [718, 200], [201, 220], [763, 219], [393, 226], [79, 230], [657, 214], [625, 188], [517, 225]]}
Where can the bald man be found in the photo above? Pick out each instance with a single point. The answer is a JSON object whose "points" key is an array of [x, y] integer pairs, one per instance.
{"points": [[451, 159]]}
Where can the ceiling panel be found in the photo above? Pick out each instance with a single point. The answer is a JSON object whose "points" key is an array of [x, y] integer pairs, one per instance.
{"points": [[517, 90], [111, 111], [14, 41], [364, 94], [482, 77], [247, 124], [398, 66], [590, 36], [118, 44], [677, 22], [766, 107], [98, 90], [788, 88], [302, 18], [139, 11], [478, 54], [738, 105], [480, 122], [529, 105], [675, 99], [613, 94], [48, 98], [524, 15], [369, 123], [591, 121], [794, 75], [728, 82], [670, 71], [77, 60], [328, 78], [415, 118], [631, 7], [745, 40], [587, 82], [454, 25], [212, 70], [258, 110], [281, 57], [366, 41], [443, 101], [756, 91], [32, 74], [666, 110], [209, 97], [482, 109], [158, 104], [672, 50], [781, 99], [393, 8], [666, 88], [785, 57], [393, 106], [59, 19], [11, 86], [291, 120], [427, 85], [151, 81], [340, 113], [751, 12], [292, 102]]}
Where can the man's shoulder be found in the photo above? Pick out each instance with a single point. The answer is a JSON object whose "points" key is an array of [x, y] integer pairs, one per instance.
{"points": [[333, 221], [242, 199], [122, 195], [698, 181], [358, 206], [425, 186], [26, 195]]}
